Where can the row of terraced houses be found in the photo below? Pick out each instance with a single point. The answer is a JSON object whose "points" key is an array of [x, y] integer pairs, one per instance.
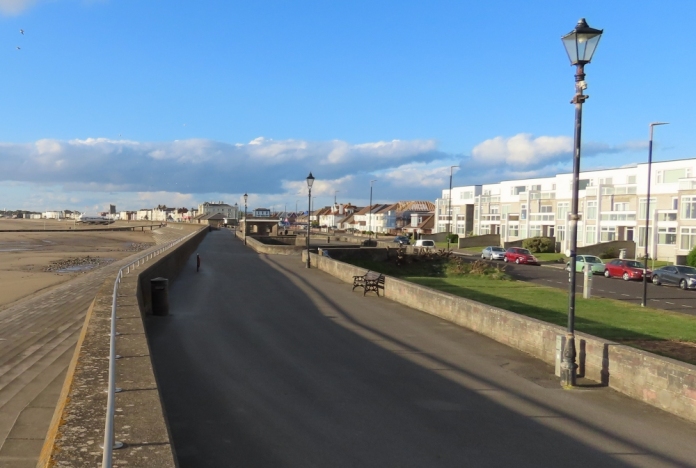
{"points": [[612, 204]]}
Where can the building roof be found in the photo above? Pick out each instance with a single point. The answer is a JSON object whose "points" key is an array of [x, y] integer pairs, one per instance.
{"points": [[415, 205]]}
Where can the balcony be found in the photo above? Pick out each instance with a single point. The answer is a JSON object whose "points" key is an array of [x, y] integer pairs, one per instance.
{"points": [[542, 195], [490, 199], [490, 218], [618, 216], [667, 215], [687, 184], [542, 217]]}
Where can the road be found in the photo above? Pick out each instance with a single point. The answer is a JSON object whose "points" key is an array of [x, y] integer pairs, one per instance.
{"points": [[659, 297], [263, 363]]}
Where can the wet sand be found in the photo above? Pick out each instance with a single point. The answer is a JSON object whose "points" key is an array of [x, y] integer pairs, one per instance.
{"points": [[24, 256]]}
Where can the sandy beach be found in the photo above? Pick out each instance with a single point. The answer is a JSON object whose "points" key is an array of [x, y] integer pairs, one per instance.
{"points": [[33, 261]]}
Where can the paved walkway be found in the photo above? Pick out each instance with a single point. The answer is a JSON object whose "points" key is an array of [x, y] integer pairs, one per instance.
{"points": [[37, 341], [264, 363]]}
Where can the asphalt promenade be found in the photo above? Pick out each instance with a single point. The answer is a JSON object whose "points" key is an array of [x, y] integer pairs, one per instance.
{"points": [[262, 363]]}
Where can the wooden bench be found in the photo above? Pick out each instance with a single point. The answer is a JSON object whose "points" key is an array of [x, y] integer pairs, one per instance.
{"points": [[370, 281]]}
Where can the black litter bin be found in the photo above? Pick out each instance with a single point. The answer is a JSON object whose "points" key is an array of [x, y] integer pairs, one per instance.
{"points": [[159, 288]]}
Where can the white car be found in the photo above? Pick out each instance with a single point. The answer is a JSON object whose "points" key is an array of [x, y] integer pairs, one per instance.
{"points": [[425, 244], [493, 253]]}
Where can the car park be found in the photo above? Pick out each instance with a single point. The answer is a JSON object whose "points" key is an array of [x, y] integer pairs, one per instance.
{"points": [[493, 253], [596, 264], [402, 240], [675, 275], [626, 269], [520, 255]]}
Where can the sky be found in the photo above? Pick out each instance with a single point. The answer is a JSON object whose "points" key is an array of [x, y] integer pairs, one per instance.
{"points": [[146, 102]]}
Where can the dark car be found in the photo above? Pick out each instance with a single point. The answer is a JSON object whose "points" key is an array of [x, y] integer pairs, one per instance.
{"points": [[402, 240], [519, 255], [626, 269], [682, 276]]}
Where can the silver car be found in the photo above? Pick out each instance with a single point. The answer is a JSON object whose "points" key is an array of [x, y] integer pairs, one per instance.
{"points": [[493, 253]]}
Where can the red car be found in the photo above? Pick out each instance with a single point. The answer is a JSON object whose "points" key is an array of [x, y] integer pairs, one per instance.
{"points": [[518, 255], [626, 269]]}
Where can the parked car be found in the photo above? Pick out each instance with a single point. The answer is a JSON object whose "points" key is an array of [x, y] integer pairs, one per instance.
{"points": [[493, 253], [595, 263], [626, 269], [682, 276], [425, 244], [519, 255], [402, 240]]}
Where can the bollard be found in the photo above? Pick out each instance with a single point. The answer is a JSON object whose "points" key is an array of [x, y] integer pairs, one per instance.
{"points": [[159, 288], [587, 290]]}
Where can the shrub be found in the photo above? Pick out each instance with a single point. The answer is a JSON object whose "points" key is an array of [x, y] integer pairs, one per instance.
{"points": [[539, 245], [609, 253], [453, 238], [691, 258]]}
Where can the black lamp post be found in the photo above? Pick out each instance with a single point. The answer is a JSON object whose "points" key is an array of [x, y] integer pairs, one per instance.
{"points": [[310, 181], [245, 217], [647, 217], [449, 210], [580, 44], [369, 211]]}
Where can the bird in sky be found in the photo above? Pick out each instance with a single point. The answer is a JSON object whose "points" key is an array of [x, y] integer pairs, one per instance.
{"points": [[22, 31], [19, 48]]}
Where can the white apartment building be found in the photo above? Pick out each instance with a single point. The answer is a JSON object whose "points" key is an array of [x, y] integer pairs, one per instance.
{"points": [[223, 208], [612, 205]]}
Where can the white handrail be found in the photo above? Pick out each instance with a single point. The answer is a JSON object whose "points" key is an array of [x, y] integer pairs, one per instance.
{"points": [[109, 443]]}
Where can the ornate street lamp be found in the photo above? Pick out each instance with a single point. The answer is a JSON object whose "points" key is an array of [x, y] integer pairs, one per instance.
{"points": [[580, 44], [310, 182], [449, 211], [644, 303], [245, 217]]}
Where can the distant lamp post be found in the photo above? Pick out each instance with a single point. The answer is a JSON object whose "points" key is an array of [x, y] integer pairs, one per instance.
{"points": [[369, 213], [644, 303], [245, 216], [449, 210], [310, 182], [580, 44]]}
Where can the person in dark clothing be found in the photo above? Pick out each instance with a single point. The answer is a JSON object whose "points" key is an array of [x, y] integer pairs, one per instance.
{"points": [[198, 263]]}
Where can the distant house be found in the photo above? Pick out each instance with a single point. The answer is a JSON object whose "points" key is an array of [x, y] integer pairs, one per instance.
{"points": [[223, 208], [53, 215], [261, 213], [144, 214]]}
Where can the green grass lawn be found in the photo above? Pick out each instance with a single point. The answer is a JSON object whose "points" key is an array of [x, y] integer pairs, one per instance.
{"points": [[605, 318], [550, 257]]}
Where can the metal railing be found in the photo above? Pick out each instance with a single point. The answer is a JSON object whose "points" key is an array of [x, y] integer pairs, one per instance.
{"points": [[109, 443]]}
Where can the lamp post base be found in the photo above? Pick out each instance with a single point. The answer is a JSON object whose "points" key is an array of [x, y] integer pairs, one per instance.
{"points": [[568, 364]]}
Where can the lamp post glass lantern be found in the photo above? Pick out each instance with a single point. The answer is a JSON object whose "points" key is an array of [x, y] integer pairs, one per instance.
{"points": [[580, 44], [647, 217], [310, 182], [245, 216]]}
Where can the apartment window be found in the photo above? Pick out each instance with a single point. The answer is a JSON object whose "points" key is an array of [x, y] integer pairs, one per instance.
{"points": [[514, 230], [486, 229], [688, 238], [553, 186], [607, 234], [591, 209], [562, 209], [535, 187], [523, 232], [688, 207], [523, 211], [466, 195], [494, 209], [631, 179], [519, 189], [590, 235], [621, 206], [641, 236], [642, 206], [675, 203], [667, 236], [560, 233], [607, 181], [476, 212], [546, 209], [534, 231]]}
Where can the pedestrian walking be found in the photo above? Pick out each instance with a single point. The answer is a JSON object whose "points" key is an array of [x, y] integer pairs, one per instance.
{"points": [[198, 262]]}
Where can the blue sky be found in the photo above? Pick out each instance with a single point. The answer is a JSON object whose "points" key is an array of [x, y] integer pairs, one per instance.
{"points": [[145, 102]]}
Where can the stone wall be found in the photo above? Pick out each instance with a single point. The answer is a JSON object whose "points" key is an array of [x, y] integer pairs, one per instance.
{"points": [[599, 249], [77, 427], [661, 382], [479, 241]]}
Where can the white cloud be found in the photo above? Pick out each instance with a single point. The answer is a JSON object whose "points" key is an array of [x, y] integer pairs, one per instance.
{"points": [[522, 150], [13, 7]]}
